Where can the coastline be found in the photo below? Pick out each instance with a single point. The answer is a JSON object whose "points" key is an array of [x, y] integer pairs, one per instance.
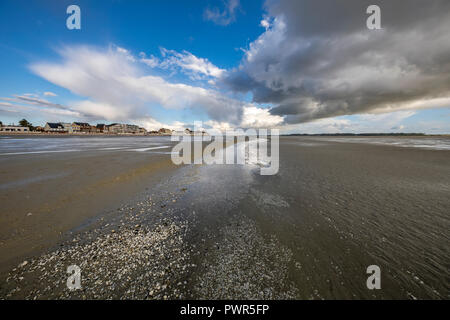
{"points": [[49, 134], [46, 196], [202, 232]]}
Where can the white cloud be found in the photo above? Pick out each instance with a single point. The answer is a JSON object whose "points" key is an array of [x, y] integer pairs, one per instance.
{"points": [[265, 23], [126, 53], [100, 110], [153, 125], [50, 94], [35, 101], [116, 88], [328, 125], [35, 108], [390, 118], [223, 17], [196, 68], [254, 117], [216, 125], [363, 123], [152, 61]]}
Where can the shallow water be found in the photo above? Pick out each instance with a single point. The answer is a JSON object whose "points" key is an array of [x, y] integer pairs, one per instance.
{"points": [[333, 210], [10, 146], [432, 143]]}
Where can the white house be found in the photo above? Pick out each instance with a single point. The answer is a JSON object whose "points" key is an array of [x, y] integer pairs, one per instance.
{"points": [[14, 129]]}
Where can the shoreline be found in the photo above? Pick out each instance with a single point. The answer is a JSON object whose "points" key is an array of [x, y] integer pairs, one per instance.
{"points": [[225, 232], [68, 190], [397, 135], [82, 134]]}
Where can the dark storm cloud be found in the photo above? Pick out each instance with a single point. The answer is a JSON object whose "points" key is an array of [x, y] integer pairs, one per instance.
{"points": [[316, 18], [318, 59]]}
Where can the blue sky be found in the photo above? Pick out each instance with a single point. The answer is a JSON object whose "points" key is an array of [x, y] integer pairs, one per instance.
{"points": [[175, 63]]}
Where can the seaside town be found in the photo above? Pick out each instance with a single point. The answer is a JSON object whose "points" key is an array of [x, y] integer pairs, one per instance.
{"points": [[84, 128]]}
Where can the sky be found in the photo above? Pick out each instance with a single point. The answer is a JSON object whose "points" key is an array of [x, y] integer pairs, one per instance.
{"points": [[298, 65]]}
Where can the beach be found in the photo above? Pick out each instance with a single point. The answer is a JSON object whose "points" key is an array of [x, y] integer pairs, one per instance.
{"points": [[53, 184], [140, 227]]}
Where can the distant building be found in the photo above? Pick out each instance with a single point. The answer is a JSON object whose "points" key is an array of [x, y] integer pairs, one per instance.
{"points": [[119, 128], [83, 127], [94, 129], [165, 131], [115, 128], [102, 128], [67, 127], [12, 128], [131, 128], [54, 127], [142, 131]]}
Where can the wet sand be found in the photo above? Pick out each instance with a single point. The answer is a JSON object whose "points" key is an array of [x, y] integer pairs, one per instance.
{"points": [[43, 196], [224, 231]]}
